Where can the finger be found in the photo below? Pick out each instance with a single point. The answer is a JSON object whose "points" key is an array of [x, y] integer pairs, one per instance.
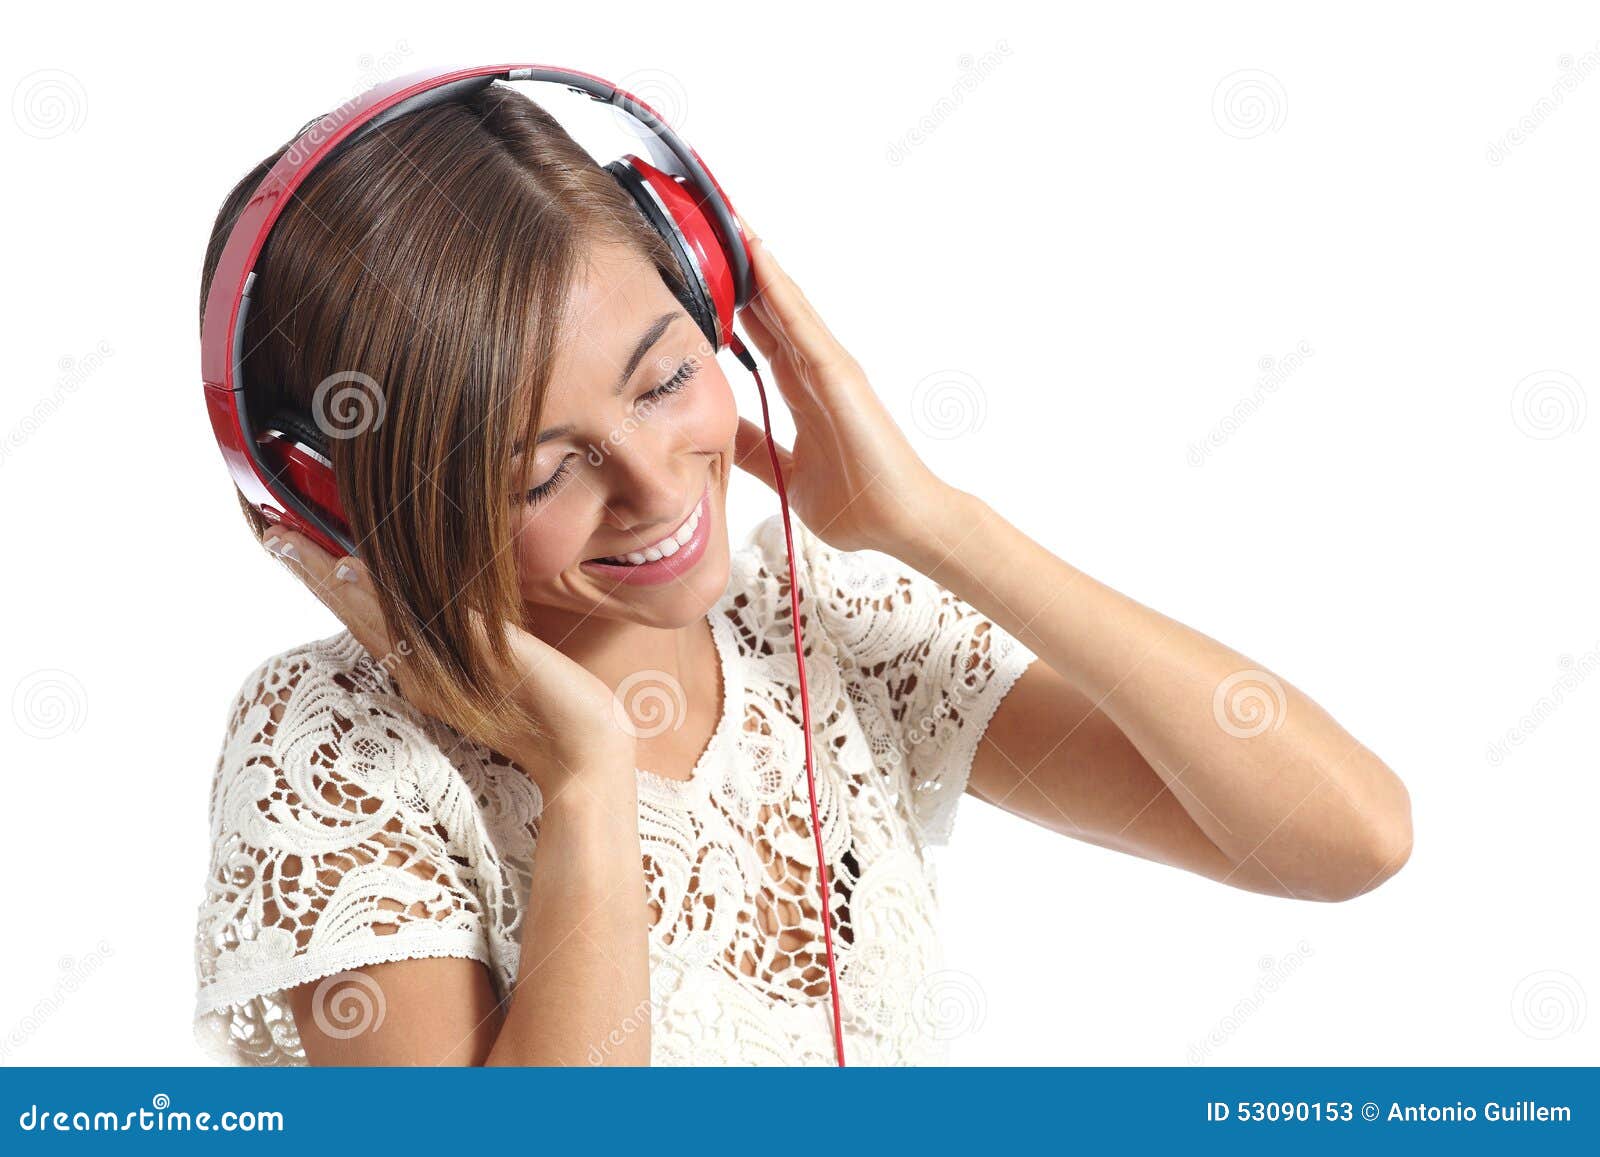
{"points": [[796, 387], [342, 583], [752, 456], [789, 317]]}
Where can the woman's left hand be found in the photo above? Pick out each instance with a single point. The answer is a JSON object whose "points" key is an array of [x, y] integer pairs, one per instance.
{"points": [[852, 477]]}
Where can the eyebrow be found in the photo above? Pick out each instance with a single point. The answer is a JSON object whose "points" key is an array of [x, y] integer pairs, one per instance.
{"points": [[646, 340]]}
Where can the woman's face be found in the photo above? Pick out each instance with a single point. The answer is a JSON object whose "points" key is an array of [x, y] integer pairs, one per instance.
{"points": [[626, 515]]}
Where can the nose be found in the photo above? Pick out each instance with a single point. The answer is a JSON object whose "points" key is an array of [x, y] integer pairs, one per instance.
{"points": [[648, 486]]}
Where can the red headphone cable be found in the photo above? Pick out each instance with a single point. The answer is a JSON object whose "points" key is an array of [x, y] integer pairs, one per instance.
{"points": [[745, 359]]}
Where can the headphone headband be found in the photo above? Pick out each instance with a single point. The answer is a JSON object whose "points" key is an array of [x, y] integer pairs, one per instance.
{"points": [[228, 296]]}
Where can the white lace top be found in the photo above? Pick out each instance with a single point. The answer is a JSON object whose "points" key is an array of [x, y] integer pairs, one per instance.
{"points": [[349, 829]]}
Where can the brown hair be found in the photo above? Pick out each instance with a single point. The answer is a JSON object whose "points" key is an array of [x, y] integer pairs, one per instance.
{"points": [[433, 255]]}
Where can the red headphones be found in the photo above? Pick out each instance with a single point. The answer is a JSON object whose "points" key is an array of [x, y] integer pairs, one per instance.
{"points": [[283, 465]]}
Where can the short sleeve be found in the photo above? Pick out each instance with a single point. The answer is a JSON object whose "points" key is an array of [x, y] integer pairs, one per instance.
{"points": [[928, 668], [337, 841]]}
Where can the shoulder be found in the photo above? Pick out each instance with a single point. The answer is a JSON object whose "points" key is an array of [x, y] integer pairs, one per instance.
{"points": [[825, 570], [326, 693], [869, 602], [336, 664], [347, 829], [318, 736]]}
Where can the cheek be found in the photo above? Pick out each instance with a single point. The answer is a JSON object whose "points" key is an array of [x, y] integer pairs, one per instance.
{"points": [[709, 416], [546, 544]]}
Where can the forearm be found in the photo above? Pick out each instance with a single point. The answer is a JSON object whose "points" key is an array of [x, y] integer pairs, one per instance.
{"points": [[1289, 786], [583, 983]]}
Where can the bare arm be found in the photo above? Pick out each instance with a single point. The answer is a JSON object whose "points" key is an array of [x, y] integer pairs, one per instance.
{"points": [[1134, 731], [582, 991], [1138, 733]]}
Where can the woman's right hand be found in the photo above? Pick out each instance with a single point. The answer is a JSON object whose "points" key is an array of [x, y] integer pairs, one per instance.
{"points": [[574, 707]]}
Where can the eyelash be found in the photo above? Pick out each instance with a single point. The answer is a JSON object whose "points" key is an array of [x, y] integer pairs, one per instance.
{"points": [[688, 369], [672, 385]]}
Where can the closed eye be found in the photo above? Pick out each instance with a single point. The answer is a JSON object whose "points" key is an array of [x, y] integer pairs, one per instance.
{"points": [[680, 378], [545, 489]]}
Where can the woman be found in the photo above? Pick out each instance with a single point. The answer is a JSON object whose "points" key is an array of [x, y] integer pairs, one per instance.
{"points": [[551, 647]]}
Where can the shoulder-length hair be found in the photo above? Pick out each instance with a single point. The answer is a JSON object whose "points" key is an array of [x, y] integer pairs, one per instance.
{"points": [[434, 256]]}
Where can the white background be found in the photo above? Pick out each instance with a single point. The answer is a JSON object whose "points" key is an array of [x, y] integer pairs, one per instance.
{"points": [[1088, 229]]}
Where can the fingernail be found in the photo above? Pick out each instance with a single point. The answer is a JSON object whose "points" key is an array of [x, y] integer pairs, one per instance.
{"points": [[283, 549], [345, 573]]}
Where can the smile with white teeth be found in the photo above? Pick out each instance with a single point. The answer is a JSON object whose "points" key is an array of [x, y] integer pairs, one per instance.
{"points": [[657, 551]]}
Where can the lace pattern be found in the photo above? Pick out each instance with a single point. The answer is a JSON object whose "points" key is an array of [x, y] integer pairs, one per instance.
{"points": [[349, 829]]}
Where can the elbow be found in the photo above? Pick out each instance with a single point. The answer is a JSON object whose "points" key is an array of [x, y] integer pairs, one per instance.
{"points": [[1380, 849]]}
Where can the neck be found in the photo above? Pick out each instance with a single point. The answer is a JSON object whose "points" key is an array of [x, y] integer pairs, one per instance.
{"points": [[614, 651]]}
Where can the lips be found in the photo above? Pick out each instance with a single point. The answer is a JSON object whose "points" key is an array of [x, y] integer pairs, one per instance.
{"points": [[666, 567]]}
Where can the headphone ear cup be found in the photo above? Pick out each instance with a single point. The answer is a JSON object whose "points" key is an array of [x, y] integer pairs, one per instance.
{"points": [[695, 243], [297, 452]]}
